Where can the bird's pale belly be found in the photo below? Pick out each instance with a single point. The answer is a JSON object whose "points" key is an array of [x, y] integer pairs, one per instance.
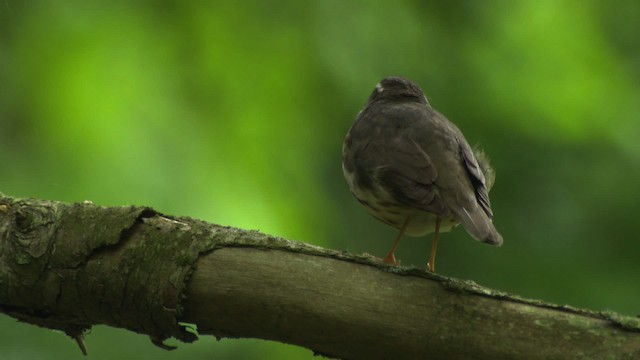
{"points": [[383, 207]]}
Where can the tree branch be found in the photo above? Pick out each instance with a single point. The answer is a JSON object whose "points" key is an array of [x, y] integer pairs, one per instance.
{"points": [[71, 266]]}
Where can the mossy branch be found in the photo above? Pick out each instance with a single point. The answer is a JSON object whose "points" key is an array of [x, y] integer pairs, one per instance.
{"points": [[72, 266]]}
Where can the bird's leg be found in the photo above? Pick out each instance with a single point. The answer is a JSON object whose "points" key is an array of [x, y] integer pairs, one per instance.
{"points": [[431, 265], [390, 258]]}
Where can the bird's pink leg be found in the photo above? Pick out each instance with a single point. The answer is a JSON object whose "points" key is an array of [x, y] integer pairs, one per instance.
{"points": [[431, 265], [390, 258]]}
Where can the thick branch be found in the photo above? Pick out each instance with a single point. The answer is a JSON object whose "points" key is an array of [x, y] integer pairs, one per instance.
{"points": [[68, 267]]}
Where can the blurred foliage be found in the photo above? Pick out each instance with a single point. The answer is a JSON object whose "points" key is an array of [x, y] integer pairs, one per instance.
{"points": [[235, 112]]}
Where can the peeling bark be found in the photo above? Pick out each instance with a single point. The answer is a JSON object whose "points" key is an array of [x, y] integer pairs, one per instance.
{"points": [[71, 266]]}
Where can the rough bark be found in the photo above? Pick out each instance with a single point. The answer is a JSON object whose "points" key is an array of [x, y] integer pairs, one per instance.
{"points": [[71, 266]]}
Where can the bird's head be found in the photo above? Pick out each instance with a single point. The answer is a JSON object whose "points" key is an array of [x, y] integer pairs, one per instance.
{"points": [[397, 88]]}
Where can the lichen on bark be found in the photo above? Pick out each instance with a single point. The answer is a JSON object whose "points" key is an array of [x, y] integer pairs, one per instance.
{"points": [[71, 266]]}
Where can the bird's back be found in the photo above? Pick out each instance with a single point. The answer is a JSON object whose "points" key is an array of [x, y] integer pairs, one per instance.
{"points": [[404, 153]]}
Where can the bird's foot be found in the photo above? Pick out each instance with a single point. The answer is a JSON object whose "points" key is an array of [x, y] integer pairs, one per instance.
{"points": [[391, 259], [431, 268], [387, 260]]}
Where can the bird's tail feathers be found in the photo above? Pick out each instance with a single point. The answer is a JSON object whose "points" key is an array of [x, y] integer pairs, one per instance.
{"points": [[479, 225]]}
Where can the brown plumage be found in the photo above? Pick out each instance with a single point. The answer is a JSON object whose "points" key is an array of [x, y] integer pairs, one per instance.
{"points": [[414, 170]]}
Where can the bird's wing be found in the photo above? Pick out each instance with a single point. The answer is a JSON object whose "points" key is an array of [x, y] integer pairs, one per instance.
{"points": [[475, 175], [410, 176], [476, 218]]}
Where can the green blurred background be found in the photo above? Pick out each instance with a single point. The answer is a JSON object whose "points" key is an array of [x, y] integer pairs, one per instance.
{"points": [[235, 112]]}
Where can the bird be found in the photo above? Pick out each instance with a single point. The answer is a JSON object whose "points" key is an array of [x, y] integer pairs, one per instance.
{"points": [[413, 169]]}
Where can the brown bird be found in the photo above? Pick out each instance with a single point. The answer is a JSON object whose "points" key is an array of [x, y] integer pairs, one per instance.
{"points": [[413, 169]]}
